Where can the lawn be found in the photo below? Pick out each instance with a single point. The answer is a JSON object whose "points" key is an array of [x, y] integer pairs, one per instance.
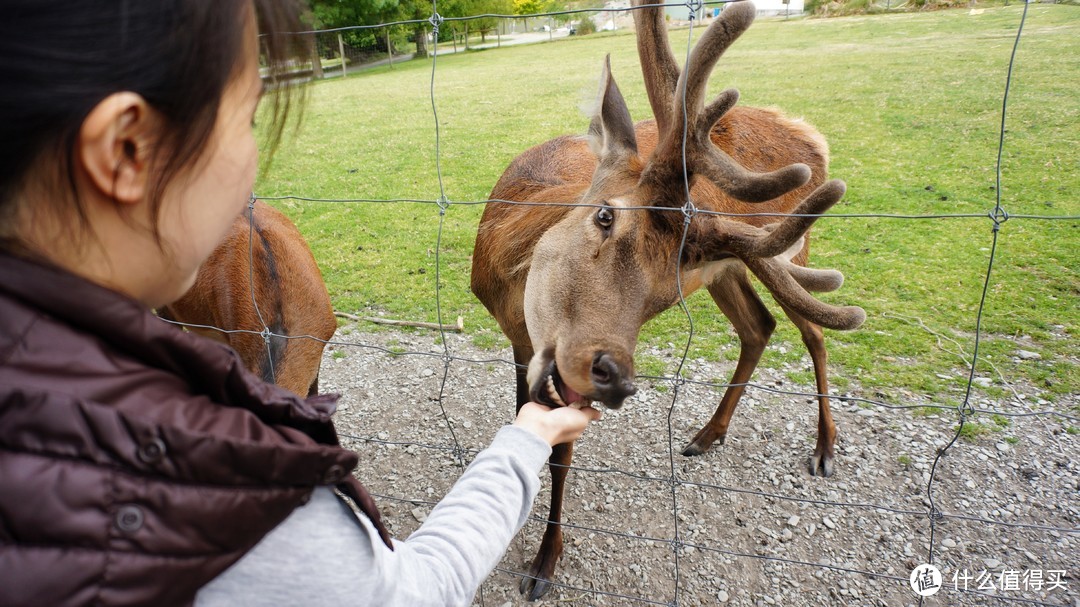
{"points": [[911, 107]]}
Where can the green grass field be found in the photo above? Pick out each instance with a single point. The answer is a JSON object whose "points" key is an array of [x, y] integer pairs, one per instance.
{"points": [[911, 107]]}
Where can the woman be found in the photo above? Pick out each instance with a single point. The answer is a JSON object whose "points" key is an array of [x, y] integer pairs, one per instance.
{"points": [[142, 465]]}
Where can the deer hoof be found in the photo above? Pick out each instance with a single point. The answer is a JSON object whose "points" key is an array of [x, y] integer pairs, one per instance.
{"points": [[821, 465], [538, 581], [701, 444], [692, 449], [533, 589]]}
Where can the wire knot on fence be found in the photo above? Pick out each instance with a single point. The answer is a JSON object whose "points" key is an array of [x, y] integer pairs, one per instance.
{"points": [[998, 216], [435, 20], [689, 210], [458, 452], [694, 6], [678, 381]]}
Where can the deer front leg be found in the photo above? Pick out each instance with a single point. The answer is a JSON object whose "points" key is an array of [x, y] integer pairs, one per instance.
{"points": [[821, 462], [733, 293], [538, 581], [522, 356], [542, 569]]}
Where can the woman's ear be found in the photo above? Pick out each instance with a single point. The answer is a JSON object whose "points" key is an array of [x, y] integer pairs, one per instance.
{"points": [[114, 147]]}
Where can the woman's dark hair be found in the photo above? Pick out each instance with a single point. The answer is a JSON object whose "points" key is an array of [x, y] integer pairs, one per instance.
{"points": [[60, 58]]}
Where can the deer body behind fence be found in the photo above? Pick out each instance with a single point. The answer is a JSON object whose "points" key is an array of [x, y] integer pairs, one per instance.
{"points": [[571, 286], [263, 276]]}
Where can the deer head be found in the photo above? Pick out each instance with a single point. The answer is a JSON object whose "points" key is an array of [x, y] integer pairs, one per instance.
{"points": [[616, 261]]}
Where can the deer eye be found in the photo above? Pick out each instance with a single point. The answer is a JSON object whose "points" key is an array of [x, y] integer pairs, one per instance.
{"points": [[604, 218]]}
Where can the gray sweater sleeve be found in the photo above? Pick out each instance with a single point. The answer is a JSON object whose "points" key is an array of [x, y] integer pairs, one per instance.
{"points": [[320, 556]]}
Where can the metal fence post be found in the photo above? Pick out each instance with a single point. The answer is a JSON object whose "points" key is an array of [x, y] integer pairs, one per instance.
{"points": [[389, 49], [341, 49], [316, 59]]}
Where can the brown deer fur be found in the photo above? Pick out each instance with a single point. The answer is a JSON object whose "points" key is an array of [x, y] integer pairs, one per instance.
{"points": [[571, 286], [288, 289]]}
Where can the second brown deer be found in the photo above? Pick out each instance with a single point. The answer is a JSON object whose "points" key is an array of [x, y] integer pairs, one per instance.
{"points": [[263, 276], [572, 285]]}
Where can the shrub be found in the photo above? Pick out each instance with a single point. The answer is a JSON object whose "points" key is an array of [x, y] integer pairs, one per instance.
{"points": [[586, 26]]}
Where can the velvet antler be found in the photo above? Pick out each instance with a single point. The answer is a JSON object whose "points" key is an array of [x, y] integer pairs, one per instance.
{"points": [[763, 252]]}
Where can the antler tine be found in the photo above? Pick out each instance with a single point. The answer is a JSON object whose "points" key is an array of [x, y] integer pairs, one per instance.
{"points": [[792, 295], [788, 282], [766, 252], [658, 64], [792, 228], [733, 21], [818, 280], [812, 279], [746, 185], [703, 157], [746, 241]]}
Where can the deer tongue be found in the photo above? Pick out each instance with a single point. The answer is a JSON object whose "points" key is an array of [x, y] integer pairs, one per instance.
{"points": [[570, 396], [567, 395]]}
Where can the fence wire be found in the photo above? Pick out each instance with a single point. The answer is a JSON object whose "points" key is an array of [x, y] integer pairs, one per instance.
{"points": [[965, 409], [677, 544]]}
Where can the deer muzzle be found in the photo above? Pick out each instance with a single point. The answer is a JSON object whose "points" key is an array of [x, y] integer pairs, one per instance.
{"points": [[613, 383], [605, 380]]}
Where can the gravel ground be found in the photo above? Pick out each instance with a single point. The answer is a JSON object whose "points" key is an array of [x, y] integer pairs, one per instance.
{"points": [[755, 527]]}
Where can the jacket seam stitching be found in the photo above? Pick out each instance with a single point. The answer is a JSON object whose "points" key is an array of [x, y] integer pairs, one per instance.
{"points": [[20, 342]]}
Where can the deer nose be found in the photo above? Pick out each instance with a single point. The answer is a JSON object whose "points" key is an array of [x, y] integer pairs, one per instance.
{"points": [[612, 381]]}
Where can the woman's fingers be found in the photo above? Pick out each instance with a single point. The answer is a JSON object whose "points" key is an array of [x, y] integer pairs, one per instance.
{"points": [[559, 425]]}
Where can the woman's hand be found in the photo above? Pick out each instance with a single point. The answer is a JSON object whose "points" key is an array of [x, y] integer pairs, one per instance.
{"points": [[558, 425]]}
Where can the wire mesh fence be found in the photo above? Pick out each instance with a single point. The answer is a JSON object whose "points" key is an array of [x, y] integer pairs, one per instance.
{"points": [[647, 526]]}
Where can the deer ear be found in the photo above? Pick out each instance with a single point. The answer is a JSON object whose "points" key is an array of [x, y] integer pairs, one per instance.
{"points": [[611, 132]]}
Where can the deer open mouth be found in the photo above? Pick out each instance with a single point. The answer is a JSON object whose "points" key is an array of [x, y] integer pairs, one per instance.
{"points": [[550, 390]]}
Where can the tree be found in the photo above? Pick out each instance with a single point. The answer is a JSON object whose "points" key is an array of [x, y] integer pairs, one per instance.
{"points": [[329, 14], [422, 10], [469, 8], [534, 7], [326, 14], [530, 7]]}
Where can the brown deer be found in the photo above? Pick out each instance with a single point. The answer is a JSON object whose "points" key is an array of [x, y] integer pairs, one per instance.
{"points": [[263, 275], [571, 286]]}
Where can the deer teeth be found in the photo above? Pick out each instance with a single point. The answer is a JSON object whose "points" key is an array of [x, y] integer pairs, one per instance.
{"points": [[553, 393]]}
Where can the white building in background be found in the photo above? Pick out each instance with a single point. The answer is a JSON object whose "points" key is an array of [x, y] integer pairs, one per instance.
{"points": [[764, 8], [617, 16]]}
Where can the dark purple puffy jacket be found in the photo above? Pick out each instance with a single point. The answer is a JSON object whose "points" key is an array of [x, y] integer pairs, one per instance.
{"points": [[137, 462]]}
